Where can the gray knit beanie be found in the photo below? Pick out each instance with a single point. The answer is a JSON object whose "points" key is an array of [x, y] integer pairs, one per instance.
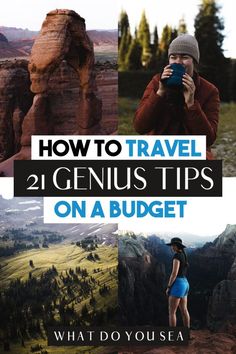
{"points": [[185, 44]]}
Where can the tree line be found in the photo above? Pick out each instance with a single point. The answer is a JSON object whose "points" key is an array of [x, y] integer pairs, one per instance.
{"points": [[17, 240], [29, 307], [146, 50]]}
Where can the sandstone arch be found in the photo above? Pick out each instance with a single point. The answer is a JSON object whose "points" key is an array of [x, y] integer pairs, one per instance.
{"points": [[63, 91], [62, 38]]}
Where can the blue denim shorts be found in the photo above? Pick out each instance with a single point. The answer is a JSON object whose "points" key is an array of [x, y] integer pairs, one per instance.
{"points": [[180, 287]]}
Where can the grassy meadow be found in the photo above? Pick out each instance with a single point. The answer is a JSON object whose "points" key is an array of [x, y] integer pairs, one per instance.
{"points": [[65, 257], [104, 56], [225, 145]]}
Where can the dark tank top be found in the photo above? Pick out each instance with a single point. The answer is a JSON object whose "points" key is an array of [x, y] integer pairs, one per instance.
{"points": [[183, 264]]}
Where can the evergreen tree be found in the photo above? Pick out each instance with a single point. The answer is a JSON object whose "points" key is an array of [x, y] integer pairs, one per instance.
{"points": [[84, 311], [124, 39], [155, 41], [133, 58], [166, 38], [144, 40], [123, 25], [155, 50], [208, 32], [174, 34], [182, 26]]}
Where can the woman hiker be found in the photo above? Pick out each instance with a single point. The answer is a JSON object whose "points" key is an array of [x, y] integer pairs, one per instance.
{"points": [[189, 108], [178, 286]]}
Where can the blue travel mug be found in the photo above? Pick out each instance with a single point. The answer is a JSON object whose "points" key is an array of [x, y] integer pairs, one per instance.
{"points": [[175, 80]]}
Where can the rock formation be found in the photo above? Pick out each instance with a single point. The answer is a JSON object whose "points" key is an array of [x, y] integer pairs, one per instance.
{"points": [[15, 101], [222, 306], [141, 283], [212, 278], [216, 260], [101, 37], [226, 242], [213, 283], [6, 50], [107, 85], [3, 40], [64, 83], [62, 38]]}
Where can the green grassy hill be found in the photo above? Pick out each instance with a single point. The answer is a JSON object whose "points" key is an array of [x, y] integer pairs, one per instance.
{"points": [[71, 290], [62, 256]]}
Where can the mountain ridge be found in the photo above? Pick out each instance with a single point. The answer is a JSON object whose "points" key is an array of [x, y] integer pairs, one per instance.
{"points": [[15, 34]]}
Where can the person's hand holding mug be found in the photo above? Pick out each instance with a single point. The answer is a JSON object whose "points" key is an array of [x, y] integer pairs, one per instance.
{"points": [[167, 72], [189, 89]]}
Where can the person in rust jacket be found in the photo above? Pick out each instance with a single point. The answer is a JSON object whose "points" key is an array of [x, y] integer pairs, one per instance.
{"points": [[193, 111]]}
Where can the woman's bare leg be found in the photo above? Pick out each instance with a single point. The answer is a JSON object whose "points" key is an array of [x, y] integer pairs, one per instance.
{"points": [[173, 305], [184, 311]]}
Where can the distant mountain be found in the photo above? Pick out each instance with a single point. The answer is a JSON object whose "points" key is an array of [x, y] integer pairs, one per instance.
{"points": [[103, 37], [15, 34], [27, 213], [24, 46], [97, 36], [3, 38], [6, 49], [189, 239], [20, 41], [226, 241]]}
